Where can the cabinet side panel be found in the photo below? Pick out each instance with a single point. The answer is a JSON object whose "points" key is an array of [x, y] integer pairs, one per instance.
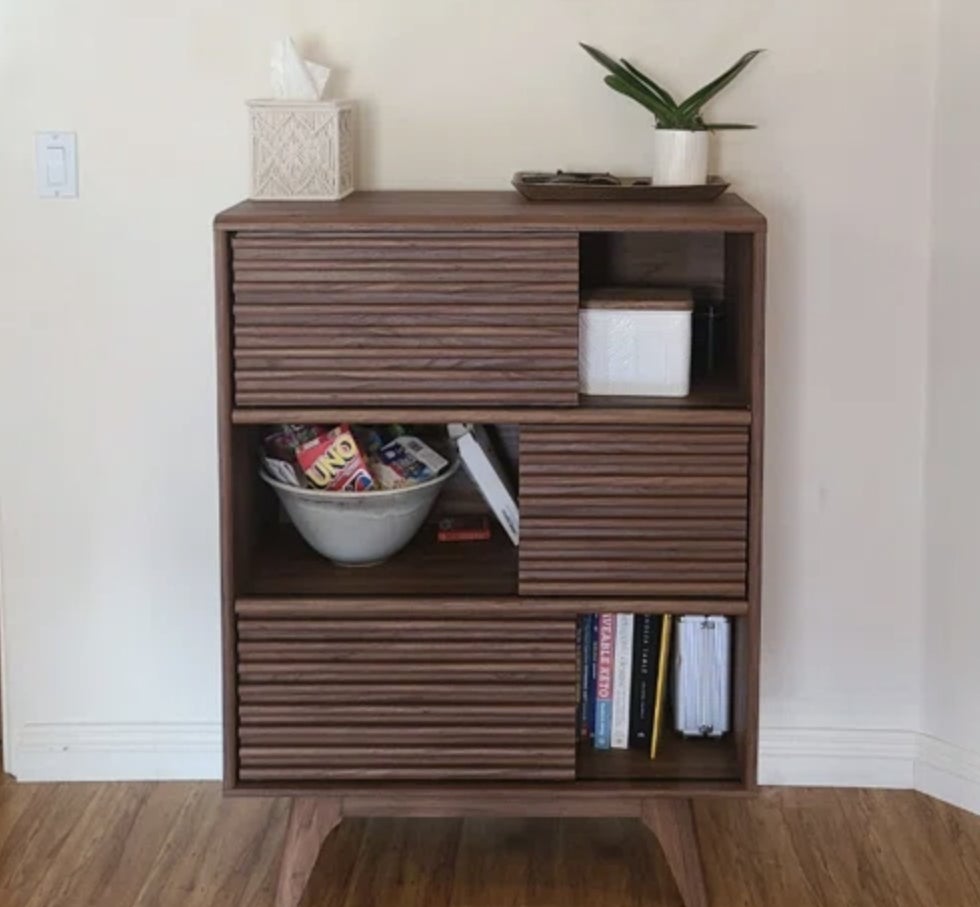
{"points": [[222, 278], [751, 754], [745, 269]]}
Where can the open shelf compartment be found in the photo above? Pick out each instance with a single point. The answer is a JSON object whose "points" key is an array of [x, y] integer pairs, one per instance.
{"points": [[276, 561], [680, 760], [717, 268]]}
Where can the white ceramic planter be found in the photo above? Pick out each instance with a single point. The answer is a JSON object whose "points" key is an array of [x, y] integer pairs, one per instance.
{"points": [[680, 158]]}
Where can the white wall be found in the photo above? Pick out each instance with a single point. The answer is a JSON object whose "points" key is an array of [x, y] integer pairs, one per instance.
{"points": [[952, 600], [107, 466]]}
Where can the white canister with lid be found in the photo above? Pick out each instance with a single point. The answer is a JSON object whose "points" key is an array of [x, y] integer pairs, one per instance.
{"points": [[636, 341]]}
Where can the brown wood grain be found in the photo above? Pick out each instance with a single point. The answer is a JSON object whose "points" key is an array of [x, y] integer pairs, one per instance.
{"points": [[420, 694], [515, 619], [678, 759], [395, 648], [569, 483], [672, 822], [184, 845], [310, 822], [461, 732], [331, 717], [591, 411], [746, 286], [234, 521], [418, 289], [484, 671], [284, 565], [392, 669], [682, 259], [473, 212]]}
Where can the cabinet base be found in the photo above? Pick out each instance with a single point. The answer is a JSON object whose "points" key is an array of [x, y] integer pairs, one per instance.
{"points": [[312, 819]]}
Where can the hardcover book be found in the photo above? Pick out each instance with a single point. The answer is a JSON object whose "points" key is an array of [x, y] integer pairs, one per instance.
{"points": [[487, 474], [622, 682], [646, 644], [605, 663], [587, 676]]}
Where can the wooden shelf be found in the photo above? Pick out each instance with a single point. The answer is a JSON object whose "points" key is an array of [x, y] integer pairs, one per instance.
{"points": [[706, 393], [493, 211], [284, 565], [680, 759], [716, 407], [505, 608]]}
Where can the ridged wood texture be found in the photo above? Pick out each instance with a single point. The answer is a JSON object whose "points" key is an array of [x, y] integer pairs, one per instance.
{"points": [[325, 319], [632, 510], [344, 700]]}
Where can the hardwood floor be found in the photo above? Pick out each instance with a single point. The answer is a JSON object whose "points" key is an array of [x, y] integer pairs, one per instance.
{"points": [[182, 845]]}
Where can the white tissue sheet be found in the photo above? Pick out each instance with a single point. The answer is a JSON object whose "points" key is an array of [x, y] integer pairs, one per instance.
{"points": [[294, 78]]}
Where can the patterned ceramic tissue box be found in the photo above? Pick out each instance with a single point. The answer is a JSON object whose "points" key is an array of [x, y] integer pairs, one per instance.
{"points": [[302, 149], [636, 342]]}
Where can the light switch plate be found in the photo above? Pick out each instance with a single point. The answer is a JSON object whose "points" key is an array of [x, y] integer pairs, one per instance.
{"points": [[57, 164]]}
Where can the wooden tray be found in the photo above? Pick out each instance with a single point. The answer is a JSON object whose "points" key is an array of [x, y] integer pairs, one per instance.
{"points": [[610, 188]]}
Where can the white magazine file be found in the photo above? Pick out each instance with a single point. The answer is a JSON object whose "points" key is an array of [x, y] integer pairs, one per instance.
{"points": [[702, 676]]}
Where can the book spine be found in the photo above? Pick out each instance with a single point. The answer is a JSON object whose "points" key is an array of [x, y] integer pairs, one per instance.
{"points": [[579, 686], [593, 671], [622, 682], [645, 643], [660, 690], [587, 676], [605, 658]]}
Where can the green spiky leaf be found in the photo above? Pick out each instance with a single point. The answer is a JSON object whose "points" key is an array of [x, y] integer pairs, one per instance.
{"points": [[651, 103], [638, 73], [639, 88], [701, 97]]}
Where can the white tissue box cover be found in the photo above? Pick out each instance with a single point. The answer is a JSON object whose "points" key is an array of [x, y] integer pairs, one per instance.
{"points": [[302, 149], [634, 352]]}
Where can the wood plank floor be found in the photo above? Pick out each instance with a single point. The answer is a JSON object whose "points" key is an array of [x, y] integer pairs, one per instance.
{"points": [[182, 845]]}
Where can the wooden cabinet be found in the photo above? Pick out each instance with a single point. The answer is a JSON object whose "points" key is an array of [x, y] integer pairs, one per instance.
{"points": [[443, 682]]}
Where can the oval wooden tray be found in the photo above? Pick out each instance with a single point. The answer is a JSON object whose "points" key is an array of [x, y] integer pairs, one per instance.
{"points": [[535, 186]]}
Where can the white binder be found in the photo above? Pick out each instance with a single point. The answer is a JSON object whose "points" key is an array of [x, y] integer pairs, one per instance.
{"points": [[485, 470], [702, 676]]}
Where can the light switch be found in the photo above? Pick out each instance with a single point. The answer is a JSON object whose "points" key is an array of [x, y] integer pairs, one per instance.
{"points": [[57, 164]]}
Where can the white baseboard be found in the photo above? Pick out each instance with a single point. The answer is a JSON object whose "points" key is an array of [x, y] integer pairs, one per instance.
{"points": [[117, 752], [820, 757], [831, 757], [948, 773], [798, 757]]}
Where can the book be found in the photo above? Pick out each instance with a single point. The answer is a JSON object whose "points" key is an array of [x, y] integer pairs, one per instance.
{"points": [[586, 675], [622, 682], [579, 686], [593, 671], [660, 691], [646, 647], [487, 474], [605, 661]]}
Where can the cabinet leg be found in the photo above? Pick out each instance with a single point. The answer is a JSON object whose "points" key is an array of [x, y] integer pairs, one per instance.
{"points": [[311, 819], [672, 822]]}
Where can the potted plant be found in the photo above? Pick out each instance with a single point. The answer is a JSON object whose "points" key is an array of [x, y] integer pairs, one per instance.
{"points": [[681, 139]]}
